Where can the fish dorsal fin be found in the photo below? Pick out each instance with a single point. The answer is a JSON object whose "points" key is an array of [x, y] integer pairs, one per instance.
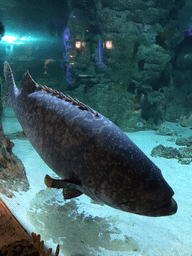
{"points": [[68, 98], [28, 85]]}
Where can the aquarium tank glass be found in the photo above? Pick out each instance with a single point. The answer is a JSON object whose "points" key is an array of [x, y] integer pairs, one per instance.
{"points": [[96, 127]]}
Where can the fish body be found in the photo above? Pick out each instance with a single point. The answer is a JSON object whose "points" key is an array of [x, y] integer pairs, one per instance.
{"points": [[88, 152]]}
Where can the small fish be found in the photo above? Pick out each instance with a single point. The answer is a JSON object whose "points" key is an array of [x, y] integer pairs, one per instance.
{"points": [[89, 152]]}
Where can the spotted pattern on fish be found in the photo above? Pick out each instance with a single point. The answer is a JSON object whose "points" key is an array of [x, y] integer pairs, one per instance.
{"points": [[89, 152]]}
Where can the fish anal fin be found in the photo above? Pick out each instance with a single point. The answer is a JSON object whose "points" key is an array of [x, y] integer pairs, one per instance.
{"points": [[28, 85]]}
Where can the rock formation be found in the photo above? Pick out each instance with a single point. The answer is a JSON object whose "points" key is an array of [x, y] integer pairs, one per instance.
{"points": [[12, 172]]}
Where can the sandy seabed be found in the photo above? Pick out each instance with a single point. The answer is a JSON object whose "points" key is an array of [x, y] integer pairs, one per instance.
{"points": [[82, 227]]}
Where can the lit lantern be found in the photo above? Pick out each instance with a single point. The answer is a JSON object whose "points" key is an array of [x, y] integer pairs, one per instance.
{"points": [[109, 44], [78, 44]]}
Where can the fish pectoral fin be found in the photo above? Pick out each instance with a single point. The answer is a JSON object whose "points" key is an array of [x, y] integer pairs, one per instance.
{"points": [[67, 184], [73, 181], [53, 183]]}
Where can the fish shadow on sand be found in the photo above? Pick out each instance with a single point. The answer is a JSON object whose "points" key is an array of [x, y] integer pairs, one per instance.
{"points": [[77, 233]]}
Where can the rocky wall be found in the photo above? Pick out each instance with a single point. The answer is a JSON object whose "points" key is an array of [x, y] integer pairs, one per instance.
{"points": [[129, 43]]}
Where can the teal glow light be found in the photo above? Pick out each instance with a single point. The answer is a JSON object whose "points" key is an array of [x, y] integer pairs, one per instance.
{"points": [[26, 39], [9, 39]]}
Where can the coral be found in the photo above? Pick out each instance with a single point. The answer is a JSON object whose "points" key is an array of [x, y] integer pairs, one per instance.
{"points": [[39, 245], [24, 247]]}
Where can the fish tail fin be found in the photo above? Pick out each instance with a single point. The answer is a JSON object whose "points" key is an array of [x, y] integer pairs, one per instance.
{"points": [[11, 89]]}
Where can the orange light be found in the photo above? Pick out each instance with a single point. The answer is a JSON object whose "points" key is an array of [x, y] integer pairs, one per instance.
{"points": [[78, 44], [109, 44]]}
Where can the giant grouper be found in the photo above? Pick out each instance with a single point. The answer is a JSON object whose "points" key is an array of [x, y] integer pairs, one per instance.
{"points": [[88, 152]]}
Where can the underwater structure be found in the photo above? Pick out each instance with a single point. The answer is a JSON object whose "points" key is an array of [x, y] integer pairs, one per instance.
{"points": [[127, 47]]}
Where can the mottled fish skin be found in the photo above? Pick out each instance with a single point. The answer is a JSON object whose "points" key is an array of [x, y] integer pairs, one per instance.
{"points": [[82, 145]]}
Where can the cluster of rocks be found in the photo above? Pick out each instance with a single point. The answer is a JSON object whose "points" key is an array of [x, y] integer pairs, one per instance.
{"points": [[183, 154]]}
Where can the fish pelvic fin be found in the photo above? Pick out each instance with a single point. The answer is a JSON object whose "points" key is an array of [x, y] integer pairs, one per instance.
{"points": [[68, 190], [69, 193], [11, 89]]}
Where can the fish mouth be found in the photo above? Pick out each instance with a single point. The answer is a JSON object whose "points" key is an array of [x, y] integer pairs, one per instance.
{"points": [[164, 209], [153, 208]]}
